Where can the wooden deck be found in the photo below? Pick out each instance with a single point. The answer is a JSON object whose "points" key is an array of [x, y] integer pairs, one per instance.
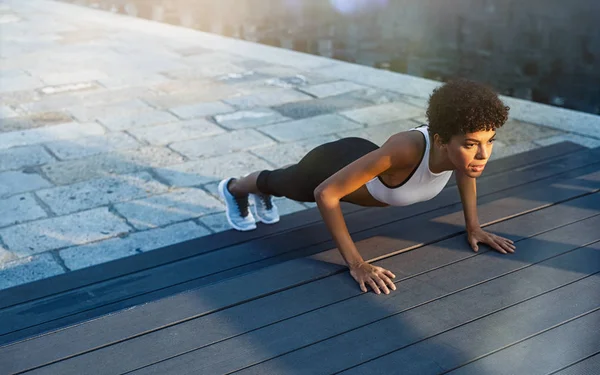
{"points": [[278, 300]]}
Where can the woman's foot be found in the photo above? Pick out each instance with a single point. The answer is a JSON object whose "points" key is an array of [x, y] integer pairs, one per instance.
{"points": [[264, 208], [236, 208]]}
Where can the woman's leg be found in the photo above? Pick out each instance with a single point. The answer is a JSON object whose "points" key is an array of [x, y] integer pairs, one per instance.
{"points": [[247, 185]]}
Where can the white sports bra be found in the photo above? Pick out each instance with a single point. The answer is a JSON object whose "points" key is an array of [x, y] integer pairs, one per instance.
{"points": [[420, 185]]}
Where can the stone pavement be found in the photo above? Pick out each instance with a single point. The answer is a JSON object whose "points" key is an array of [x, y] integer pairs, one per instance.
{"points": [[115, 131]]}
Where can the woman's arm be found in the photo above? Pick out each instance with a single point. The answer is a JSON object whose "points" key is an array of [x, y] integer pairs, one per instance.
{"points": [[467, 188]]}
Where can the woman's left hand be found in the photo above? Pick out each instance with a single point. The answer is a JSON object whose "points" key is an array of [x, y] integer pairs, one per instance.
{"points": [[501, 244]]}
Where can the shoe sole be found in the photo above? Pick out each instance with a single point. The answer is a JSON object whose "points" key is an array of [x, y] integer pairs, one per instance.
{"points": [[257, 216], [222, 194]]}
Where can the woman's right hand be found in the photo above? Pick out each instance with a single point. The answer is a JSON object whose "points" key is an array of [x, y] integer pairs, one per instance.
{"points": [[376, 277]]}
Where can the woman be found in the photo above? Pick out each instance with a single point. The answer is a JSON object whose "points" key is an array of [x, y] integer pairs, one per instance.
{"points": [[411, 166]]}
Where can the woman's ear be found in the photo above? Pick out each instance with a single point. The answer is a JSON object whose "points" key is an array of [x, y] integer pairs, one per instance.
{"points": [[437, 140]]}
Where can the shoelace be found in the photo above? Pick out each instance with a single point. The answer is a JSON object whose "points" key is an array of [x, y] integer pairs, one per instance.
{"points": [[242, 203], [267, 201]]}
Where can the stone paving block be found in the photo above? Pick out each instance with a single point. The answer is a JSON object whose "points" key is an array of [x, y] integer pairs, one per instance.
{"points": [[201, 109], [28, 269], [420, 120], [160, 210], [124, 81], [225, 143], [18, 209], [93, 98], [98, 192], [200, 172], [502, 150], [291, 153], [316, 107], [584, 141], [34, 120], [107, 164], [63, 231], [514, 131], [49, 133], [376, 96], [268, 99], [77, 76], [307, 128], [107, 250], [250, 118], [136, 119], [19, 157], [383, 113], [379, 134], [177, 131], [191, 96], [5, 257], [218, 222], [118, 112], [15, 182], [332, 88], [19, 83], [204, 71], [416, 101], [87, 146], [6, 112], [69, 87], [584, 124]]}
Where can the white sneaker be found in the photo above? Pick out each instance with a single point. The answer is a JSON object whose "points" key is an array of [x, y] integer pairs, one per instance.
{"points": [[264, 209], [236, 209]]}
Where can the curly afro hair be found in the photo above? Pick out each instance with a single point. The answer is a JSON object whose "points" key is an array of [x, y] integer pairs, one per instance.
{"points": [[462, 106]]}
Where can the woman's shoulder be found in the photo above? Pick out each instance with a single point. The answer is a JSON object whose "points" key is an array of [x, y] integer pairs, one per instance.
{"points": [[406, 146]]}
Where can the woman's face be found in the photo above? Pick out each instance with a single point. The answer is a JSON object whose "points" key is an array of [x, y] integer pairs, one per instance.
{"points": [[470, 152]]}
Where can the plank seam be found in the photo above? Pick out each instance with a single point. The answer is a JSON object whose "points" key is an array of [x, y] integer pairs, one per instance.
{"points": [[574, 363]]}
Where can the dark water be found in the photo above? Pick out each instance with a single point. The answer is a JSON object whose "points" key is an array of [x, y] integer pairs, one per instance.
{"points": [[547, 51]]}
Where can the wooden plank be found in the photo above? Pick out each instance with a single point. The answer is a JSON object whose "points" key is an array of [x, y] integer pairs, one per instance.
{"points": [[320, 348], [587, 366], [18, 316], [450, 349], [290, 334], [545, 352], [118, 268], [161, 314]]}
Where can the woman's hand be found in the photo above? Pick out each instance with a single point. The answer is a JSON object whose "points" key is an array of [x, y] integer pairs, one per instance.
{"points": [[374, 276], [501, 244]]}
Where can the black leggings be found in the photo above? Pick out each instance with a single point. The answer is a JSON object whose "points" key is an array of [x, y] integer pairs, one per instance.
{"points": [[298, 182]]}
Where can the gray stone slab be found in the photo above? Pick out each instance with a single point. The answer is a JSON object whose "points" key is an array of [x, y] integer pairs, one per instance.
{"points": [[177, 131], [316, 107], [291, 153], [19, 83], [58, 232], [376, 96], [584, 141], [200, 172], [514, 131], [5, 257], [501, 149], [69, 87], [134, 243], [34, 120], [178, 94], [147, 80], [380, 114], [379, 134], [240, 140], [87, 146], [64, 78], [160, 210], [107, 164], [28, 269], [98, 192], [250, 118], [18, 209], [49, 133], [19, 157], [584, 124], [106, 112], [309, 128], [141, 117], [268, 99], [201, 109], [6, 111], [332, 88], [15, 182], [205, 71]]}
